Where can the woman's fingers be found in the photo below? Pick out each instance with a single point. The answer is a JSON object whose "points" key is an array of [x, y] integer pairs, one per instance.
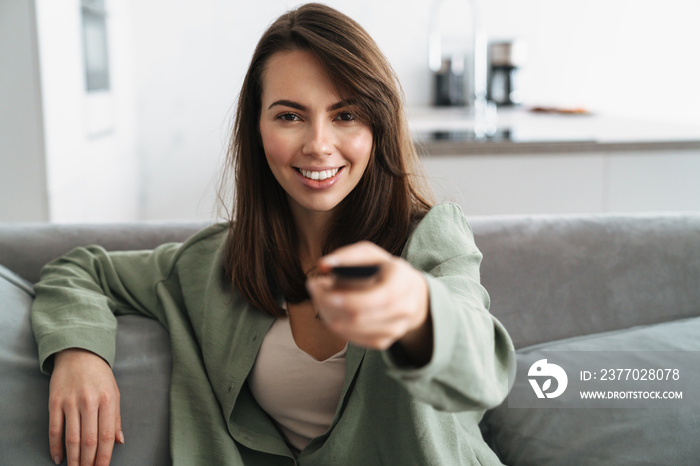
{"points": [[376, 315], [120, 434], [56, 420], [88, 432], [367, 319], [107, 433], [73, 436], [362, 253], [84, 397]]}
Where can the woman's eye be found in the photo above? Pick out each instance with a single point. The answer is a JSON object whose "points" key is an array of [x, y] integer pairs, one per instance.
{"points": [[288, 117], [345, 116]]}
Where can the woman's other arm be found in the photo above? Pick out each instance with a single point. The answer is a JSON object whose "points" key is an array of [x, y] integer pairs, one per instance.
{"points": [[73, 318]]}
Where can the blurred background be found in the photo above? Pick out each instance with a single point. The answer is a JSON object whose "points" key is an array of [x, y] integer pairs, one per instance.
{"points": [[120, 110]]}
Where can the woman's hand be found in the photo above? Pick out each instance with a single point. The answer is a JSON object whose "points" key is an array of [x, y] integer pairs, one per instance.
{"points": [[395, 307], [84, 397]]}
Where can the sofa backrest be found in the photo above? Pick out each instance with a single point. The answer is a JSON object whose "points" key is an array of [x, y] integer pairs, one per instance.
{"points": [[549, 277], [553, 277], [26, 247]]}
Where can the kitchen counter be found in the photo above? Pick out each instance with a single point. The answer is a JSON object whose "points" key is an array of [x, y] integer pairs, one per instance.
{"points": [[545, 163], [450, 131]]}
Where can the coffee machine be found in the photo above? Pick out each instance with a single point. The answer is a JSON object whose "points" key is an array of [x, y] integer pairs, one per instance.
{"points": [[450, 82], [505, 60]]}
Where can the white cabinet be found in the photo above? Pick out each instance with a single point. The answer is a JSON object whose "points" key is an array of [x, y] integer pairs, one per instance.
{"points": [[653, 181], [568, 182], [557, 164]]}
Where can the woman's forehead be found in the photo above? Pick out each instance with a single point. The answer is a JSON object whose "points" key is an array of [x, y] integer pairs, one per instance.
{"points": [[298, 74]]}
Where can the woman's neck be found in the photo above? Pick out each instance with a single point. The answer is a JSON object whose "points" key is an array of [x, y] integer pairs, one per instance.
{"points": [[312, 228]]}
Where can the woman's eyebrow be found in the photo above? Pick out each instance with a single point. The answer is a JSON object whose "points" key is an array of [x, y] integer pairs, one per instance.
{"points": [[300, 107], [288, 103]]}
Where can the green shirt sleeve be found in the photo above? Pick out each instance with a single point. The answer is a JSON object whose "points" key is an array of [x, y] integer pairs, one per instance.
{"points": [[80, 293], [471, 353]]}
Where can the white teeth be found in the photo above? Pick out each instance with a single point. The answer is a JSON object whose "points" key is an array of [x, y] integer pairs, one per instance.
{"points": [[319, 175]]}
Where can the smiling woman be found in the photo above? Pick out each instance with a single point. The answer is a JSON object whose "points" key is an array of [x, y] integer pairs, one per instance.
{"points": [[319, 95], [276, 358]]}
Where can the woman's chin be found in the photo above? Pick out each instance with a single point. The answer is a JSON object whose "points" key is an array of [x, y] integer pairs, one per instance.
{"points": [[315, 206]]}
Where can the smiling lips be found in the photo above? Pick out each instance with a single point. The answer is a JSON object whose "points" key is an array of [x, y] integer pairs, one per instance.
{"points": [[319, 175], [319, 179]]}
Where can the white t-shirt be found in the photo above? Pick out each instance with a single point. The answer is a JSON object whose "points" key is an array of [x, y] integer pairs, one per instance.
{"points": [[299, 392]]}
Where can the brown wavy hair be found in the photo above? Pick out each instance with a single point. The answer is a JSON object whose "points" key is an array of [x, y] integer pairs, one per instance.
{"points": [[261, 254]]}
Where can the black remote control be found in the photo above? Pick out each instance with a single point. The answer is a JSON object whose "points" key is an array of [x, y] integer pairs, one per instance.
{"points": [[354, 277], [350, 272]]}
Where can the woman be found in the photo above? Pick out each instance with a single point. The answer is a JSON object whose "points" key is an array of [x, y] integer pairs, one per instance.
{"points": [[275, 358]]}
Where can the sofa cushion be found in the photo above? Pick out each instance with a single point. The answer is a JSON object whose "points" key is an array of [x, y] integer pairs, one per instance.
{"points": [[23, 389], [142, 368], [559, 276], [662, 432]]}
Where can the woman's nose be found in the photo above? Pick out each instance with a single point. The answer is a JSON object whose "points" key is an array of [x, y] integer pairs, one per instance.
{"points": [[319, 140]]}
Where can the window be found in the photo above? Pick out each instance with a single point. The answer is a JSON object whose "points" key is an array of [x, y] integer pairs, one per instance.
{"points": [[95, 45]]}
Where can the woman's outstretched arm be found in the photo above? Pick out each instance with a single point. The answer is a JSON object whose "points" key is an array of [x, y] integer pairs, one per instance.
{"points": [[394, 308], [429, 308]]}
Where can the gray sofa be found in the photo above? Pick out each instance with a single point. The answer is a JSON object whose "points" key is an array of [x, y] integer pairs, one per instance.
{"points": [[562, 285]]}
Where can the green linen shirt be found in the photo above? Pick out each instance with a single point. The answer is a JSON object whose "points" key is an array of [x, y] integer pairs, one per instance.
{"points": [[388, 414]]}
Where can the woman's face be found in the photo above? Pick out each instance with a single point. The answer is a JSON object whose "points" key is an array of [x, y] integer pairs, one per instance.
{"points": [[314, 143]]}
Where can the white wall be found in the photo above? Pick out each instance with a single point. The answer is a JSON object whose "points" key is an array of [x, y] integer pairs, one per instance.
{"points": [[92, 170], [23, 194], [65, 156], [624, 57]]}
